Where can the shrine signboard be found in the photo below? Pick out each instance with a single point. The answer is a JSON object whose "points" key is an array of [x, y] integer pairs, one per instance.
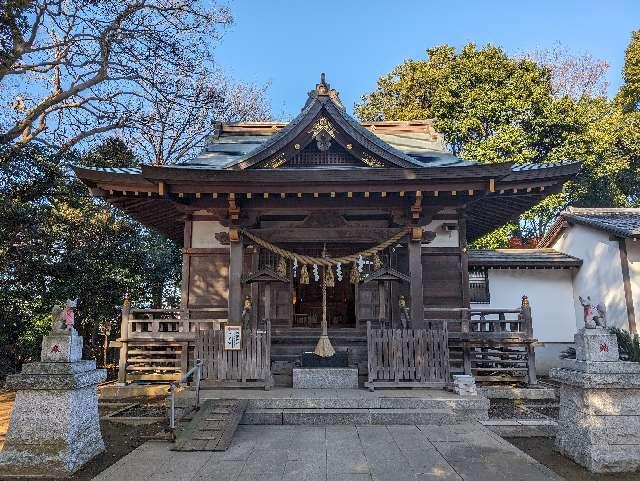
{"points": [[232, 338]]}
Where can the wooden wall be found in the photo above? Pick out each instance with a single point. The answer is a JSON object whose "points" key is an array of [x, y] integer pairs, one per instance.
{"points": [[442, 277], [205, 276], [208, 281]]}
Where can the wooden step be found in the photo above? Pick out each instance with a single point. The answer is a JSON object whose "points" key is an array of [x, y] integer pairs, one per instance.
{"points": [[212, 427]]}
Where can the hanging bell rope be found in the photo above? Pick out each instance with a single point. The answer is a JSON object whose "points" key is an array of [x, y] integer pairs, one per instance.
{"points": [[324, 261]]}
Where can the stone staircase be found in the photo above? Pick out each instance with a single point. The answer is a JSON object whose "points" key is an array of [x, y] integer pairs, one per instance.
{"points": [[350, 406], [365, 411]]}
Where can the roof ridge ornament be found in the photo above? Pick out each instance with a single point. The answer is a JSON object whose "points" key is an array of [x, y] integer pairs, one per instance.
{"points": [[323, 89]]}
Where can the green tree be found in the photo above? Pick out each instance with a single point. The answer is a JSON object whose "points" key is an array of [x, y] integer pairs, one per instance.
{"points": [[59, 242], [629, 95], [494, 108]]}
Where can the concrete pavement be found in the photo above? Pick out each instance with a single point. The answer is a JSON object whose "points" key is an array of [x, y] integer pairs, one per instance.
{"points": [[466, 452]]}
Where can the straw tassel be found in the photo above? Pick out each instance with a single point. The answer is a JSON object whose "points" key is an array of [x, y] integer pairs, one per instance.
{"points": [[282, 267], [328, 277], [354, 277], [377, 263], [304, 275]]}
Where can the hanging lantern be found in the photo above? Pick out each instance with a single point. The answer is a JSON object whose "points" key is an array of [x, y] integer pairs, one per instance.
{"points": [[377, 263], [304, 275], [355, 275], [328, 277], [339, 272], [282, 267]]}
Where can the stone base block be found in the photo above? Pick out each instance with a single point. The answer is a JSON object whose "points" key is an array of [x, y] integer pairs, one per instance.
{"points": [[599, 421], [603, 458], [596, 345], [50, 460], [61, 348], [325, 378], [54, 427]]}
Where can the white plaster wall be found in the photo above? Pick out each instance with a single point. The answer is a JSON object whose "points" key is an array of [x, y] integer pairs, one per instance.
{"points": [[550, 294], [600, 275], [443, 238], [633, 255], [203, 234]]}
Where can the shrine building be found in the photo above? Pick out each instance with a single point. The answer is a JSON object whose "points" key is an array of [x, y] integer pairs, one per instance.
{"points": [[379, 213]]}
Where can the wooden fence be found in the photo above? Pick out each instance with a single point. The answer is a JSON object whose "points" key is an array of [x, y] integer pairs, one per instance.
{"points": [[407, 357], [249, 366]]}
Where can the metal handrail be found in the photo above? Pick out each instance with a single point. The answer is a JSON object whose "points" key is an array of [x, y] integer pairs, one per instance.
{"points": [[175, 385]]}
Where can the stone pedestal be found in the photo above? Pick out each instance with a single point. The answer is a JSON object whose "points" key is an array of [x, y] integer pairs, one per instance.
{"points": [[325, 378], [599, 423], [54, 428], [464, 385]]}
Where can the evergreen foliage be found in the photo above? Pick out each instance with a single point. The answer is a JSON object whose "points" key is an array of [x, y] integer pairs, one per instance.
{"points": [[59, 242], [628, 345], [491, 107]]}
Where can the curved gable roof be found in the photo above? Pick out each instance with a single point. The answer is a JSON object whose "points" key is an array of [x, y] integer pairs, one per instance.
{"points": [[243, 151]]}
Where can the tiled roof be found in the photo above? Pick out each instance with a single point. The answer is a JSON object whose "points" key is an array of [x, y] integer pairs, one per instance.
{"points": [[621, 222], [525, 258], [416, 139]]}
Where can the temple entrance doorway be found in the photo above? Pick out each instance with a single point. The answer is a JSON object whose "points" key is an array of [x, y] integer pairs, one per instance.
{"points": [[307, 304]]}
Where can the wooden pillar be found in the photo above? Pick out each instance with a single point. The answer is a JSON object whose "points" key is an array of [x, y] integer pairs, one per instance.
{"points": [[255, 289], [267, 300], [186, 266], [464, 257], [415, 269], [124, 341], [382, 310], [235, 274], [626, 281]]}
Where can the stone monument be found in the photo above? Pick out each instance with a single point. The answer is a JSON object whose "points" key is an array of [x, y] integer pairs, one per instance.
{"points": [[599, 423], [54, 428]]}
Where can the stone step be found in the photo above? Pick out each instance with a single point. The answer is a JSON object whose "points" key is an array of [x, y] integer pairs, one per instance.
{"points": [[354, 416], [327, 403]]}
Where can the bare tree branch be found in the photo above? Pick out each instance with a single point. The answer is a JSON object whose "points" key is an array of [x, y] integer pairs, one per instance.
{"points": [[573, 75], [76, 68]]}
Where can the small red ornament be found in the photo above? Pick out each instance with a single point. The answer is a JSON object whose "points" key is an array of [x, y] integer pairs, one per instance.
{"points": [[604, 347], [55, 348]]}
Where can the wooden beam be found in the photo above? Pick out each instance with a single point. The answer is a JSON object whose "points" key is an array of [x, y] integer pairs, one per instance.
{"points": [[339, 234], [626, 280]]}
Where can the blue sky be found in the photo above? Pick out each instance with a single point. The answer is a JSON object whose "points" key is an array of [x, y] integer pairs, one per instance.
{"points": [[288, 43]]}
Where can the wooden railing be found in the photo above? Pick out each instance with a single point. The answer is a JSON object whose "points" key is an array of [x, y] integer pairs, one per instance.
{"points": [[171, 324], [492, 344], [500, 323], [156, 344]]}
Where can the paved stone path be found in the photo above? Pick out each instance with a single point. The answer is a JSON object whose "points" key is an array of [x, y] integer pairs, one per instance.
{"points": [[467, 452]]}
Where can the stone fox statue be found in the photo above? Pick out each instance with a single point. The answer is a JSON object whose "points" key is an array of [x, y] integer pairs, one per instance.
{"points": [[593, 317], [63, 318]]}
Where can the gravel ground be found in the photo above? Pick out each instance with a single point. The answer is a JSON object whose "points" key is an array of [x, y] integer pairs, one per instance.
{"points": [[541, 449], [523, 409]]}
